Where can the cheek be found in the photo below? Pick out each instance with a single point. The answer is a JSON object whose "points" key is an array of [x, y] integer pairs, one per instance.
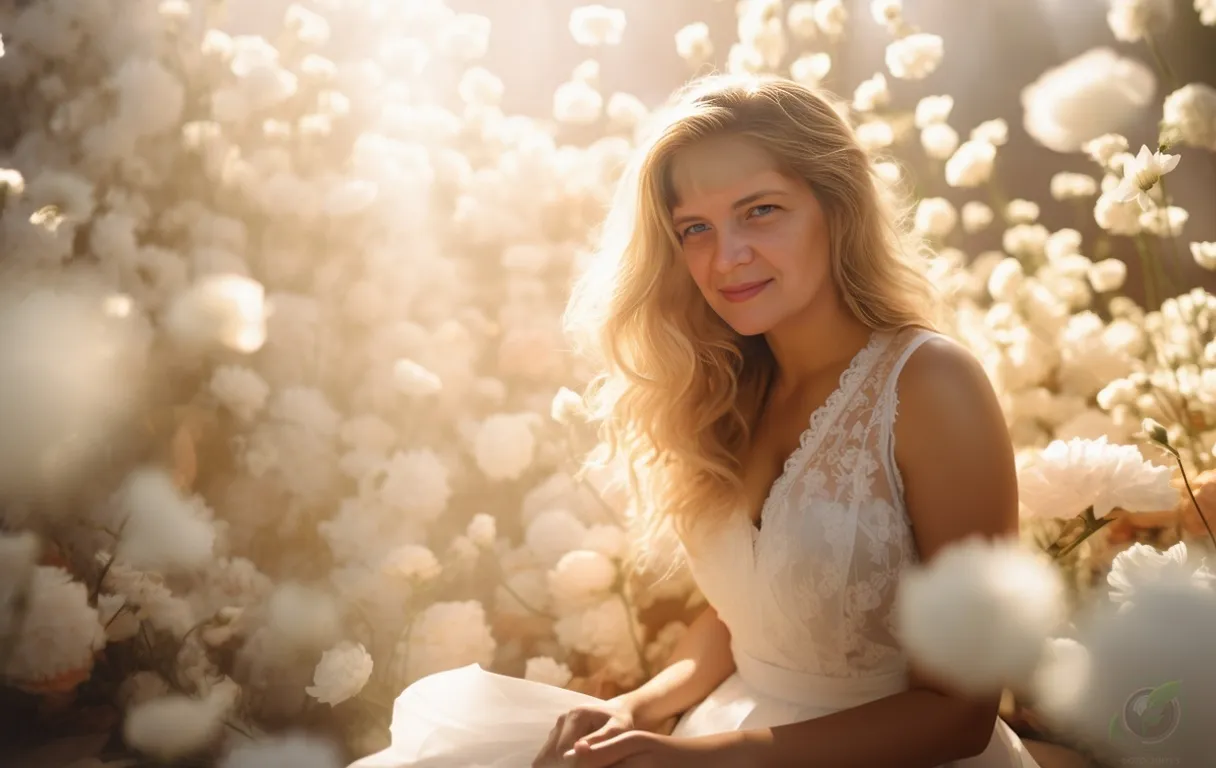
{"points": [[698, 259]]}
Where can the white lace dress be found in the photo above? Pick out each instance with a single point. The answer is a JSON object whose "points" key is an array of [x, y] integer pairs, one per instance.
{"points": [[807, 597]]}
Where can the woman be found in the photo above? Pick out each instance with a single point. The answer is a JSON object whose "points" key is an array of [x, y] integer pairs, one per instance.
{"points": [[773, 376]]}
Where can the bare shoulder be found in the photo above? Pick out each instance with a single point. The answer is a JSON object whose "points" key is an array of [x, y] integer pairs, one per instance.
{"points": [[952, 447]]}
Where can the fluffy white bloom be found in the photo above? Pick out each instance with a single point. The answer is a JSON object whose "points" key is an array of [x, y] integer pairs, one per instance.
{"points": [[505, 445], [223, 309], [935, 216], [871, 94], [979, 613], [976, 216], [603, 631], [800, 20], [874, 135], [971, 165], [117, 617], [141, 687], [1142, 175], [1207, 12], [416, 482], [1103, 149], [411, 561], [1204, 255], [995, 132], [290, 751], [447, 635], [303, 617], [1190, 114], [1141, 564], [553, 533], [176, 726], [309, 27], [914, 57], [482, 530], [1164, 221], [932, 110], [1095, 93], [1025, 240], [545, 669], [240, 389], [59, 634], [831, 16], [481, 87], [1107, 275], [1119, 217], [1132, 20], [1021, 212], [887, 12], [415, 380], [466, 36], [1006, 279], [577, 103], [596, 25], [939, 141], [608, 540], [580, 579], [162, 529], [1067, 186], [693, 43], [1069, 477], [625, 110], [342, 672]]}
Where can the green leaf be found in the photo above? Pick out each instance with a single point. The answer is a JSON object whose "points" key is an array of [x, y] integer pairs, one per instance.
{"points": [[1115, 728], [1161, 696]]}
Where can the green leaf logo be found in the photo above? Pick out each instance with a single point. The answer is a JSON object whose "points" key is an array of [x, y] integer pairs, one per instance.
{"points": [[1159, 700]]}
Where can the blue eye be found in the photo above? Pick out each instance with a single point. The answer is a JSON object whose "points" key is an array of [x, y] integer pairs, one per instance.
{"points": [[762, 210], [691, 229]]}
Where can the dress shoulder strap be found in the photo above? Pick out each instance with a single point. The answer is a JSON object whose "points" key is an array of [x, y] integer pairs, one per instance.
{"points": [[887, 406]]}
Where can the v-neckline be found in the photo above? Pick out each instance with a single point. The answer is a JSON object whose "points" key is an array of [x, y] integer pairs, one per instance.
{"points": [[810, 435]]}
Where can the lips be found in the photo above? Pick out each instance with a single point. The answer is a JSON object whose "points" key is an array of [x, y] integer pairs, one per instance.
{"points": [[744, 291]]}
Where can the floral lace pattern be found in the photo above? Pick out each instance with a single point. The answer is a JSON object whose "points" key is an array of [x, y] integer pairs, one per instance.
{"points": [[814, 588]]}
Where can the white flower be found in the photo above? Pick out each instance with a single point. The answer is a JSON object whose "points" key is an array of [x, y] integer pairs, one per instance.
{"points": [[143, 686], [220, 309], [1022, 212], [608, 540], [342, 672], [482, 530], [800, 20], [1006, 279], [416, 482], [577, 103], [1107, 275], [1205, 255], [935, 216], [1103, 149], [1207, 12], [580, 579], [553, 533], [624, 110], [415, 380], [290, 751], [466, 36], [976, 216], [1069, 477], [979, 613], [871, 94], [176, 726], [505, 445], [1116, 216], [59, 634], [162, 529], [411, 561], [914, 57], [1132, 20], [831, 16], [596, 25], [117, 617], [1025, 240], [1095, 93], [1142, 175], [887, 12], [693, 43], [1141, 564], [874, 135], [932, 110], [995, 132], [545, 669], [971, 164], [303, 617], [447, 635], [1164, 221], [1061, 676], [239, 389], [309, 27], [939, 141], [1067, 186]]}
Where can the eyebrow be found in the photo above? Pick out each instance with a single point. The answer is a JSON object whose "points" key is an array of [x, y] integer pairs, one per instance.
{"points": [[745, 200]]}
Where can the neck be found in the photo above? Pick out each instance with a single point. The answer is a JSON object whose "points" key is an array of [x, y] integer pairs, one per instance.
{"points": [[817, 339]]}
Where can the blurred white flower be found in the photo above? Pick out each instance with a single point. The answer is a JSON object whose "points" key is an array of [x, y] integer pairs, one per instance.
{"points": [[800, 20], [1006, 280], [447, 635], [176, 726], [505, 445], [604, 631], [1021, 212], [341, 674], [1142, 175], [1069, 477], [871, 94], [240, 389], [1025, 240], [596, 25], [887, 12], [567, 407], [553, 533], [1103, 149], [995, 132], [979, 613], [59, 634], [971, 165], [117, 617], [141, 687], [416, 482], [1094, 93], [1107, 275], [414, 380], [303, 617], [932, 110], [411, 561], [1207, 12], [1141, 565], [1164, 221], [580, 579], [482, 530], [466, 36], [223, 309], [544, 669], [935, 216], [577, 103], [693, 43], [625, 110], [609, 540], [976, 216], [1132, 20], [874, 135], [1204, 255], [939, 141], [479, 86], [1068, 186], [914, 57], [162, 530], [831, 16], [309, 27], [289, 751], [1116, 216], [889, 172]]}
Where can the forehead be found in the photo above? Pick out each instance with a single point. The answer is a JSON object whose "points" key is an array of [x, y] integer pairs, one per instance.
{"points": [[724, 167]]}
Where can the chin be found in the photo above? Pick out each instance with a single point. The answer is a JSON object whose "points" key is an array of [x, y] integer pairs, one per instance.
{"points": [[749, 323]]}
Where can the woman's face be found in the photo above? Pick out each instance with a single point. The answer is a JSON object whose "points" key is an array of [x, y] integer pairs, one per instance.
{"points": [[755, 241]]}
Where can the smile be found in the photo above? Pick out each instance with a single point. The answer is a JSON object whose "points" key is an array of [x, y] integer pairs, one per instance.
{"points": [[737, 293]]}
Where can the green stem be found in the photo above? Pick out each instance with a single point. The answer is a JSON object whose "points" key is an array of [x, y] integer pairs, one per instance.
{"points": [[1194, 501], [1151, 292], [1162, 65], [1085, 534]]}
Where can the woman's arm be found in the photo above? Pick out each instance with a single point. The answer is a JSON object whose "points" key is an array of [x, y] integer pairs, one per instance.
{"points": [[956, 460], [700, 661]]}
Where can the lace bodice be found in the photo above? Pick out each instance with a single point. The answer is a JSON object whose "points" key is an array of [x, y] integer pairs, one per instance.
{"points": [[813, 589]]}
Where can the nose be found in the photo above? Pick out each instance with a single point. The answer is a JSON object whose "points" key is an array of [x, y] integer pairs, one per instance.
{"points": [[733, 251]]}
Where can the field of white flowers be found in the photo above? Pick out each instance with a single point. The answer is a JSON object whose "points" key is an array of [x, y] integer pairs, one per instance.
{"points": [[287, 419]]}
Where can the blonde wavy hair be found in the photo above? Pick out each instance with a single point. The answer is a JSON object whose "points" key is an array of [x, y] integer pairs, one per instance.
{"points": [[680, 390]]}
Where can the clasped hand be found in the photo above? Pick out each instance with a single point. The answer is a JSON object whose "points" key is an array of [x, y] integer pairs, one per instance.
{"points": [[606, 736]]}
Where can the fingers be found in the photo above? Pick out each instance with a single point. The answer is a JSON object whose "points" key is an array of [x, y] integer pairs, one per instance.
{"points": [[548, 752], [603, 734], [576, 725], [614, 750]]}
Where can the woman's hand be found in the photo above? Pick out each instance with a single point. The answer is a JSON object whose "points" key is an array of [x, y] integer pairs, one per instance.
{"points": [[582, 727], [642, 749]]}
